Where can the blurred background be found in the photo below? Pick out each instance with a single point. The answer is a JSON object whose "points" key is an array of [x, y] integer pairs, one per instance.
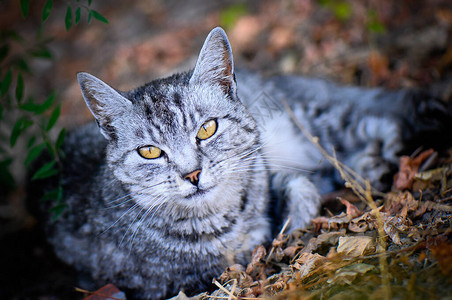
{"points": [[44, 43]]}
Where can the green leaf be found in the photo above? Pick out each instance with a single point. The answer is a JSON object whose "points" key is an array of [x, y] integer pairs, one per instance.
{"points": [[78, 14], [50, 195], [46, 10], [21, 64], [57, 211], [45, 171], [38, 108], [89, 2], [55, 194], [90, 15], [41, 53], [230, 15], [19, 88], [6, 178], [99, 17], [4, 50], [34, 153], [47, 103], [60, 140], [374, 24], [31, 142], [6, 82], [21, 125], [1, 112], [53, 117], [68, 18], [25, 7], [30, 106], [13, 35], [343, 11], [50, 148]]}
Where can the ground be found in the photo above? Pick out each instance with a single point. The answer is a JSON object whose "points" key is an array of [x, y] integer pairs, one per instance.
{"points": [[392, 44]]}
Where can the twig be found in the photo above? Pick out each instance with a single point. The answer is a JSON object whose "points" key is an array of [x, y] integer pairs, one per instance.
{"points": [[234, 285], [230, 294], [361, 188], [279, 234]]}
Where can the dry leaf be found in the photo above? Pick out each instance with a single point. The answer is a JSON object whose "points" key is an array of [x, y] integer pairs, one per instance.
{"points": [[408, 169], [256, 268], [281, 37], [236, 271], [307, 263], [443, 254], [362, 223], [324, 239], [245, 32], [322, 223], [182, 296], [432, 175], [356, 245], [352, 210], [395, 224], [291, 251], [331, 223], [107, 292], [359, 227], [348, 274], [379, 65]]}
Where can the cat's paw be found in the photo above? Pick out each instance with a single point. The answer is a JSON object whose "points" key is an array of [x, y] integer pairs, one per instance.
{"points": [[301, 199], [377, 170]]}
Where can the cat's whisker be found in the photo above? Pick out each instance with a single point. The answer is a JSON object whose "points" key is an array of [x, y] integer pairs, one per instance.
{"points": [[248, 153], [264, 164], [131, 195], [121, 203], [243, 155], [129, 227], [140, 221], [156, 208], [117, 220], [278, 160], [157, 203], [133, 207]]}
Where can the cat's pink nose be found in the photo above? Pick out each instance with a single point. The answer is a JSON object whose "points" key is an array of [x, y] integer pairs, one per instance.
{"points": [[193, 177]]}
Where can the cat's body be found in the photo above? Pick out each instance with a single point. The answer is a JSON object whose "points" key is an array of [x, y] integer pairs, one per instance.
{"points": [[177, 186]]}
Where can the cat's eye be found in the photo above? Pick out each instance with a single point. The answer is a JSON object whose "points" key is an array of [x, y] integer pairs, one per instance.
{"points": [[207, 130], [149, 152]]}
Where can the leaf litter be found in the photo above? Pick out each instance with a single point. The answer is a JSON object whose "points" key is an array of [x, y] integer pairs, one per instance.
{"points": [[397, 246]]}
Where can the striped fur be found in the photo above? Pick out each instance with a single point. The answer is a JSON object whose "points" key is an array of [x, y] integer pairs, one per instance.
{"points": [[142, 225]]}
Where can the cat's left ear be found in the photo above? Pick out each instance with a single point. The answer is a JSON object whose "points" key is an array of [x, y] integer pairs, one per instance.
{"points": [[215, 62]]}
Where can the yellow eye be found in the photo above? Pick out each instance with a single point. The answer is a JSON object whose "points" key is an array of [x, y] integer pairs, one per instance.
{"points": [[149, 152], [207, 130]]}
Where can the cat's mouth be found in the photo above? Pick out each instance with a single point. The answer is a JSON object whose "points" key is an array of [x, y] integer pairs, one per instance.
{"points": [[197, 193]]}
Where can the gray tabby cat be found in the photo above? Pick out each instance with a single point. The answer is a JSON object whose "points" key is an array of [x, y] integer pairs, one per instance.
{"points": [[176, 186]]}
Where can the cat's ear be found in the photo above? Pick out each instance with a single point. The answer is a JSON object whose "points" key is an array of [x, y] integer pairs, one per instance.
{"points": [[215, 62], [104, 102]]}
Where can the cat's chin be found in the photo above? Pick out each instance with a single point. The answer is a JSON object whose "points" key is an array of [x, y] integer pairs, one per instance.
{"points": [[198, 193]]}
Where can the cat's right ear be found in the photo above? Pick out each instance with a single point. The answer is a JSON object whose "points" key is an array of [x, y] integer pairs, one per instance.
{"points": [[104, 102]]}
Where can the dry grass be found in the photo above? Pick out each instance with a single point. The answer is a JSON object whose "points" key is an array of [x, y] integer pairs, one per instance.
{"points": [[396, 247]]}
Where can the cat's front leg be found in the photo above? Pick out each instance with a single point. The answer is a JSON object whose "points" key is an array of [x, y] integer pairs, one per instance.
{"points": [[298, 198]]}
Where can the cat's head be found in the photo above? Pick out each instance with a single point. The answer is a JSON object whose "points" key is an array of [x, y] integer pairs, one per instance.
{"points": [[186, 138]]}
